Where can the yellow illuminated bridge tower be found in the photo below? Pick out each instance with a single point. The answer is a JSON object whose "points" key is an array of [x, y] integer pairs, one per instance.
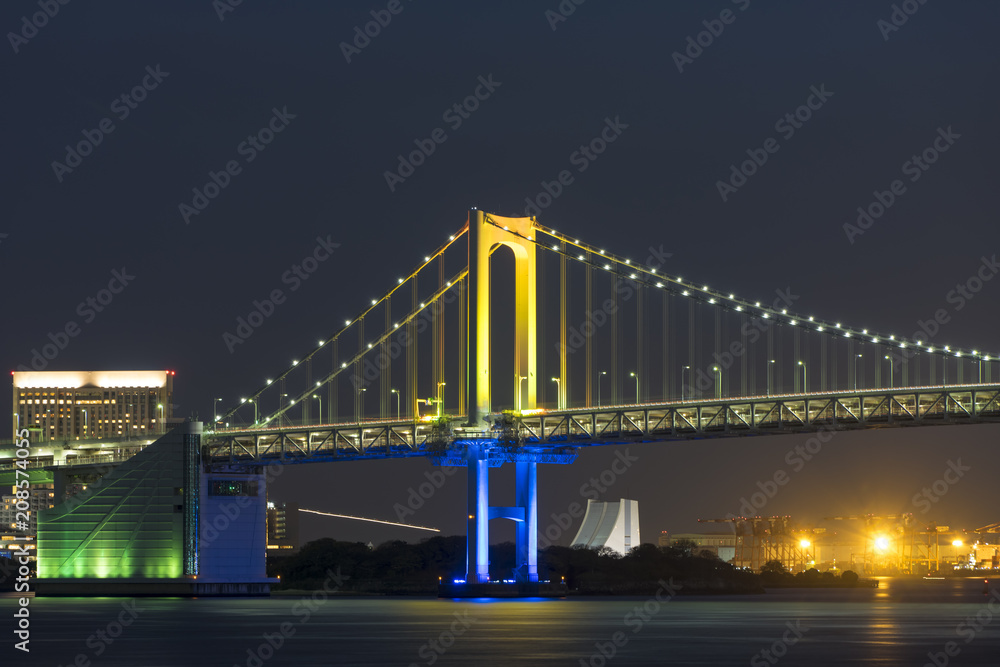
{"points": [[486, 235]]}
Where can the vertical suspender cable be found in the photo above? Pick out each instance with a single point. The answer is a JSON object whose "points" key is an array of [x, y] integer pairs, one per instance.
{"points": [[413, 348], [833, 343], [588, 344], [331, 389], [306, 408], [615, 347], [853, 380], [666, 395], [562, 386], [692, 360], [771, 370], [824, 363], [384, 365], [745, 380], [724, 375], [640, 342], [358, 373]]}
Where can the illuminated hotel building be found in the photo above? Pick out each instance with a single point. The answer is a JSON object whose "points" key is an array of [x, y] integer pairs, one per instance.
{"points": [[87, 405]]}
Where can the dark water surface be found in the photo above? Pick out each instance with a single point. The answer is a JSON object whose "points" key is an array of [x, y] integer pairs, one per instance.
{"points": [[897, 624]]}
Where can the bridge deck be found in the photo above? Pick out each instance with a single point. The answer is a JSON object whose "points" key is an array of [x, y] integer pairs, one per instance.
{"points": [[558, 433]]}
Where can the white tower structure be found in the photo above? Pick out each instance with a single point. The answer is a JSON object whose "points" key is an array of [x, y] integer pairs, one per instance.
{"points": [[614, 525]]}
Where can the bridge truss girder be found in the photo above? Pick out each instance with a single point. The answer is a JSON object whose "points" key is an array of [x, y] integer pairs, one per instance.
{"points": [[554, 434], [762, 416]]}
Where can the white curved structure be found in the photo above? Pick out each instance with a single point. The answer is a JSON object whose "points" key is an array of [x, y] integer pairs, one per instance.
{"points": [[613, 525]]}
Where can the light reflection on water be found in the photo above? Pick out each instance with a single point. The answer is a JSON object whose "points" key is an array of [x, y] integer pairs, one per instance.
{"points": [[898, 623]]}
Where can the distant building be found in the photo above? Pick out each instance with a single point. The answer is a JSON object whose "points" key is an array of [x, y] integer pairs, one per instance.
{"points": [[614, 525], [41, 496], [722, 545], [87, 405], [664, 539], [282, 527]]}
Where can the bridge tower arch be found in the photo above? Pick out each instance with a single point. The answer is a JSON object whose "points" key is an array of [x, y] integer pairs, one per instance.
{"points": [[487, 233]]}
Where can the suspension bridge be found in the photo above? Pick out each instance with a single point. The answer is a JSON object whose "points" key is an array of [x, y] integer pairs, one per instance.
{"points": [[516, 343]]}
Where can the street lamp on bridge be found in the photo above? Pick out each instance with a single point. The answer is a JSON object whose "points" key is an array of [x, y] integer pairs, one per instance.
{"points": [[856, 357], [889, 359], [558, 393], [770, 372], [685, 368], [634, 375], [320, 399], [440, 384], [599, 376], [396, 392], [804, 383], [718, 381], [217, 410]]}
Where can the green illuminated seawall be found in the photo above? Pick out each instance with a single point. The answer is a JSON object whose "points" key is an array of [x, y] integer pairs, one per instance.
{"points": [[130, 523]]}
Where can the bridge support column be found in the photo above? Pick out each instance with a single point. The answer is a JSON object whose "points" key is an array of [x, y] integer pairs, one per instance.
{"points": [[527, 530], [477, 564]]}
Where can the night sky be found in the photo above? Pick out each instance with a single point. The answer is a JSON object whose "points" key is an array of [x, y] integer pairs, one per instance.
{"points": [[214, 74]]}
